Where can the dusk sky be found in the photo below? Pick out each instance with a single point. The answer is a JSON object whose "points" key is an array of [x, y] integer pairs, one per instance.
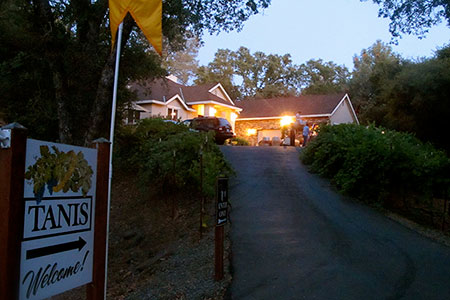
{"points": [[333, 30]]}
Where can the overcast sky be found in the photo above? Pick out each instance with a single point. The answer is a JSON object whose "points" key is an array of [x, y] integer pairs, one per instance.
{"points": [[333, 30]]}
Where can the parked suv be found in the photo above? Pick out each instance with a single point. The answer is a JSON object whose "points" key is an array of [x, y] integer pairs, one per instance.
{"points": [[220, 126]]}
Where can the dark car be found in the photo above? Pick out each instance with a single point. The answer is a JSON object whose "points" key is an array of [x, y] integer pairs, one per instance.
{"points": [[220, 126]]}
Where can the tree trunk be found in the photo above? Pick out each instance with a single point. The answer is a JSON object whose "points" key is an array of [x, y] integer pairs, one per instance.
{"points": [[53, 53], [101, 109], [65, 136]]}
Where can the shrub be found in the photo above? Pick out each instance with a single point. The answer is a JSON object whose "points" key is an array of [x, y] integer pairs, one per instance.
{"points": [[373, 163], [167, 156], [237, 141]]}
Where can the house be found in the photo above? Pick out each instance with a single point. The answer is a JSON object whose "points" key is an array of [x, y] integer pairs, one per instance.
{"points": [[267, 117], [167, 98]]}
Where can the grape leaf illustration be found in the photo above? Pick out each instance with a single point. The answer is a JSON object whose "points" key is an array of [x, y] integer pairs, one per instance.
{"points": [[59, 171]]}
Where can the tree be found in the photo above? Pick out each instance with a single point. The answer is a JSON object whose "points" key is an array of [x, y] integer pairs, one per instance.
{"points": [[182, 62], [61, 52], [320, 77], [418, 99], [373, 71], [412, 16], [221, 69], [265, 76], [403, 95], [260, 75]]}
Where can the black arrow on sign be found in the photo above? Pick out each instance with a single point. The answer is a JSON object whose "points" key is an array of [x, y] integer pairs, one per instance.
{"points": [[38, 252]]}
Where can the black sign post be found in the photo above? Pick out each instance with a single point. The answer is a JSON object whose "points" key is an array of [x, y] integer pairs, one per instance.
{"points": [[222, 201], [221, 219]]}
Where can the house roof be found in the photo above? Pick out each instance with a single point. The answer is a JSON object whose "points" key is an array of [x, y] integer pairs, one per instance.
{"points": [[308, 105], [164, 89]]}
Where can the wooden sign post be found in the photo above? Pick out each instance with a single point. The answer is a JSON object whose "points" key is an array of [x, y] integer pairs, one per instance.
{"points": [[97, 289], [12, 166], [53, 207]]}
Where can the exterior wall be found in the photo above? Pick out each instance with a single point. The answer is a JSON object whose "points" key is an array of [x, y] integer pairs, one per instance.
{"points": [[226, 113], [343, 114], [154, 110], [243, 126], [209, 110], [191, 115], [268, 133], [183, 114], [319, 120], [162, 110], [218, 92], [145, 115], [266, 125]]}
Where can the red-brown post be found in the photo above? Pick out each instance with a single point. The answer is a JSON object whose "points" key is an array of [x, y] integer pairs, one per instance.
{"points": [[219, 236], [12, 170], [96, 289]]}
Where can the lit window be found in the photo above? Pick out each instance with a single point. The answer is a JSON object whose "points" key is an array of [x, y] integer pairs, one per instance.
{"points": [[172, 113], [201, 110], [212, 111]]}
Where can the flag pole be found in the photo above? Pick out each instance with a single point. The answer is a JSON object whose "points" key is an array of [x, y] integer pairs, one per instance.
{"points": [[111, 139]]}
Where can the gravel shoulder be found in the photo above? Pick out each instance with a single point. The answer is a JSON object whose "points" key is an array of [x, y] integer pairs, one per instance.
{"points": [[153, 255]]}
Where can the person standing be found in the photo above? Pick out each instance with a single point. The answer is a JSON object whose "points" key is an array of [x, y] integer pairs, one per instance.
{"points": [[298, 120], [305, 134], [298, 125]]}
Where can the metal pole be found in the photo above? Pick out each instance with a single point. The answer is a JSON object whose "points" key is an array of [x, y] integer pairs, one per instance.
{"points": [[202, 201], [111, 139]]}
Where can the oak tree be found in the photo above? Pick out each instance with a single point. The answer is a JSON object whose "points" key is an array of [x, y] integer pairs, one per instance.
{"points": [[412, 16], [57, 66]]}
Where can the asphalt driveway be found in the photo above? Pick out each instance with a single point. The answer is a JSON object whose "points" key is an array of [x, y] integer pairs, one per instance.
{"points": [[294, 237]]}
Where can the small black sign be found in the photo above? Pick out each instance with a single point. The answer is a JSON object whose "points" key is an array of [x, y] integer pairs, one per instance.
{"points": [[222, 201]]}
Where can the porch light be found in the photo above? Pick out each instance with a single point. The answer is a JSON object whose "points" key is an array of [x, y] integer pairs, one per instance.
{"points": [[286, 120], [212, 111], [251, 131]]}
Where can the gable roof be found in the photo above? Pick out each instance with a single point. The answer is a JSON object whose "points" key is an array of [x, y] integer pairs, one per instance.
{"points": [[308, 105], [164, 89]]}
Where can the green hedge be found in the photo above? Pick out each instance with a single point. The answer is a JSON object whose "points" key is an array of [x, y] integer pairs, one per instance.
{"points": [[374, 164], [237, 141], [167, 156]]}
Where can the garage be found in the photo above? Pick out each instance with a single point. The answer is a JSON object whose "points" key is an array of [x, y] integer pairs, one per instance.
{"points": [[268, 134]]}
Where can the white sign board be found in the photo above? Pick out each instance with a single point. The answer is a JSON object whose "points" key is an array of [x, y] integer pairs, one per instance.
{"points": [[58, 236]]}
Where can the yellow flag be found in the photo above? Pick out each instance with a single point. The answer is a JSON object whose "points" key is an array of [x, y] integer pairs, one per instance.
{"points": [[146, 13]]}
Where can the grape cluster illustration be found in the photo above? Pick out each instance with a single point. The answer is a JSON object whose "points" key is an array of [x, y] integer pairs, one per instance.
{"points": [[59, 171]]}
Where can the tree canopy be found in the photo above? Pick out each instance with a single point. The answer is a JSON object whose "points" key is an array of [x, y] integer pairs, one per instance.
{"points": [[56, 62], [412, 16], [373, 69], [260, 75], [410, 96], [319, 77]]}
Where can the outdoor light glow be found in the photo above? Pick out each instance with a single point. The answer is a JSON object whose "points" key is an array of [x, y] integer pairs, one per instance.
{"points": [[212, 111], [233, 116], [201, 110], [286, 120], [251, 131]]}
